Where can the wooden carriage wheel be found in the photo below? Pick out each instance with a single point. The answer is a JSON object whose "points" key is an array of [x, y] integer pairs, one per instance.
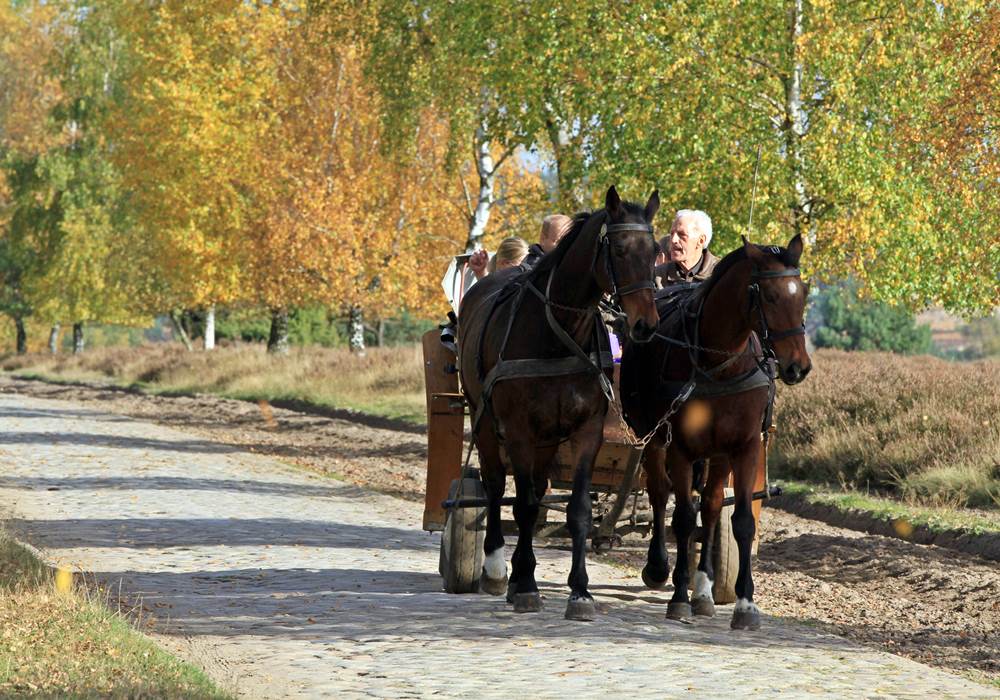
{"points": [[461, 559]]}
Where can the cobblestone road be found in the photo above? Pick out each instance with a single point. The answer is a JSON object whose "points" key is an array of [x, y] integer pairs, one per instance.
{"points": [[285, 584]]}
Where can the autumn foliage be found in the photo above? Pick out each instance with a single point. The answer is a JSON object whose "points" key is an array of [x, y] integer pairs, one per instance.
{"points": [[169, 156]]}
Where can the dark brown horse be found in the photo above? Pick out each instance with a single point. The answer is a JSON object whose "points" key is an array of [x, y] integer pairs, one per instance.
{"points": [[706, 347], [531, 351]]}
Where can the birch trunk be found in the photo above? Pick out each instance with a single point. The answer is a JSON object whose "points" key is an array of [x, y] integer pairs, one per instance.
{"points": [[210, 328], [277, 341], [356, 330], [22, 336], [795, 125], [77, 337], [176, 322], [54, 339], [480, 216]]}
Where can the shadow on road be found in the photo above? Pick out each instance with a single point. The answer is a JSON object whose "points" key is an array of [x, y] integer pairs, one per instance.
{"points": [[330, 605], [166, 533]]}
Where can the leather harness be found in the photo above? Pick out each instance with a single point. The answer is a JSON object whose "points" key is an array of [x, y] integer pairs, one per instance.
{"points": [[598, 361]]}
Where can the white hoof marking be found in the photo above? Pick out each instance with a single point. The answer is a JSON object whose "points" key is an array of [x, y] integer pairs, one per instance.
{"points": [[702, 586], [495, 566], [744, 605]]}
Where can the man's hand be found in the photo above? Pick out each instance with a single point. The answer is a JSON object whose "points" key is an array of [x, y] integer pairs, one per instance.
{"points": [[477, 263]]}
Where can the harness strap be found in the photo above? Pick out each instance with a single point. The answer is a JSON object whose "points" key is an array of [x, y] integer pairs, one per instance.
{"points": [[571, 345]]}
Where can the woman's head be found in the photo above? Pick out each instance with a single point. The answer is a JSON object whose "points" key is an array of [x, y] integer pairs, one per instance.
{"points": [[510, 253]]}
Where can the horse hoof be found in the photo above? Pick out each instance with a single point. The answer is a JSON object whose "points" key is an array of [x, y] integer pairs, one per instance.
{"points": [[511, 590], [703, 607], [678, 610], [493, 586], [580, 608], [654, 582], [745, 620], [527, 602]]}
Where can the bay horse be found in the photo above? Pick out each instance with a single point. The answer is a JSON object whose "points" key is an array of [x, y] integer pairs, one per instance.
{"points": [[718, 347], [535, 369]]}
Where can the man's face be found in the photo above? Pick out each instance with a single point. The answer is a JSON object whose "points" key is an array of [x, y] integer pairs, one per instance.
{"points": [[686, 242]]}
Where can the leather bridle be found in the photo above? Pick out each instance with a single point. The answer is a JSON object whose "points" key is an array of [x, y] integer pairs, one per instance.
{"points": [[605, 246], [768, 336]]}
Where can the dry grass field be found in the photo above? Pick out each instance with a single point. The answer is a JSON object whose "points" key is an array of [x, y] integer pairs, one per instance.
{"points": [[387, 381], [920, 428], [923, 428]]}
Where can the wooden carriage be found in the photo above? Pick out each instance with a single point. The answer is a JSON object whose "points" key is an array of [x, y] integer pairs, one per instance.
{"points": [[454, 501]]}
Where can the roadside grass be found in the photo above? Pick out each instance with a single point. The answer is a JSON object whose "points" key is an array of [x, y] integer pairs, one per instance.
{"points": [[63, 642], [386, 381], [908, 514]]}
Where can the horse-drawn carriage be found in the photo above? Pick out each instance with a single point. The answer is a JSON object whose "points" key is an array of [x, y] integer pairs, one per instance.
{"points": [[454, 500], [539, 379]]}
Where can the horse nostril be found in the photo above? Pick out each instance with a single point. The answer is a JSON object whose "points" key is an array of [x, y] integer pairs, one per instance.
{"points": [[642, 332]]}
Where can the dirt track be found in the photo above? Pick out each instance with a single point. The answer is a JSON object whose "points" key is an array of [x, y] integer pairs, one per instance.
{"points": [[934, 605]]}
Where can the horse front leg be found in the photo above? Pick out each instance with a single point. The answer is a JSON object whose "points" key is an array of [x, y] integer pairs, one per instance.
{"points": [[683, 523], [657, 569], [493, 579], [526, 597], [703, 601], [746, 615], [584, 444]]}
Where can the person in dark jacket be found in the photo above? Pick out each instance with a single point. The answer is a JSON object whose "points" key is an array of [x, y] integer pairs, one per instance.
{"points": [[689, 259]]}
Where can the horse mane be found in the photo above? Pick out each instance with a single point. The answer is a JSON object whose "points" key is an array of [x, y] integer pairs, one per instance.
{"points": [[551, 260], [736, 256]]}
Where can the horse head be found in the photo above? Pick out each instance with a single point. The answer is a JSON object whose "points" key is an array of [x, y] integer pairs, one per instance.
{"points": [[777, 302], [625, 257]]}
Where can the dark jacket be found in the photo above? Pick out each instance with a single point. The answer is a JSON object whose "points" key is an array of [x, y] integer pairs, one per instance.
{"points": [[535, 254], [671, 273]]}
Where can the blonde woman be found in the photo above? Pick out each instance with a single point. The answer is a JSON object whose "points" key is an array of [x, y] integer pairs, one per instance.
{"points": [[510, 253]]}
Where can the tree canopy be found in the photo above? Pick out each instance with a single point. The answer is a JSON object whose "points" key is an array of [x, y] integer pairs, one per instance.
{"points": [[278, 155]]}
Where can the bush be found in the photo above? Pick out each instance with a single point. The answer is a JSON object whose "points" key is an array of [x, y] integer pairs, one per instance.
{"points": [[850, 323], [921, 427]]}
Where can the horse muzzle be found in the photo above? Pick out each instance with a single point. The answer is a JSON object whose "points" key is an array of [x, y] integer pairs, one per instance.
{"points": [[793, 373], [641, 332]]}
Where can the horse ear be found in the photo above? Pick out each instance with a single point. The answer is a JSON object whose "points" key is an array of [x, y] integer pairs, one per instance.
{"points": [[612, 202], [795, 248], [752, 251], [652, 206]]}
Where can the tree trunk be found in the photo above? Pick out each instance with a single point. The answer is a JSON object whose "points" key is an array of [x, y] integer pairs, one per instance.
{"points": [[210, 328], [380, 333], [175, 320], [484, 203], [277, 340], [54, 339], [565, 149], [356, 330], [78, 337], [795, 125], [22, 336]]}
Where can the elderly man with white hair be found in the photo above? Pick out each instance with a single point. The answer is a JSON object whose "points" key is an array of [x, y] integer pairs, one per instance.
{"points": [[688, 258]]}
